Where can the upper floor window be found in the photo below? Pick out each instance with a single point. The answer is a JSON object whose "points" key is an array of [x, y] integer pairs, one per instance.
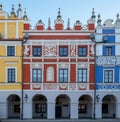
{"points": [[63, 51], [37, 51], [11, 75], [36, 75], [108, 76], [82, 51], [108, 51], [63, 75], [82, 75], [10, 51]]}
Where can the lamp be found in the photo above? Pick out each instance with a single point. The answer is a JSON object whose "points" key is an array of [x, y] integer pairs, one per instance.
{"points": [[26, 36], [97, 98], [92, 36], [26, 97], [105, 38]]}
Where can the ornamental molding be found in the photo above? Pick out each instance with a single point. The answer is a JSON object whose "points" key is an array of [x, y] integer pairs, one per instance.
{"points": [[36, 65], [109, 60], [50, 50]]}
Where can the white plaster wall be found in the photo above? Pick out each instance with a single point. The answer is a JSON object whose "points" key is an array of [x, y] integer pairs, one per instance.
{"points": [[99, 50], [117, 50], [117, 38], [98, 37]]}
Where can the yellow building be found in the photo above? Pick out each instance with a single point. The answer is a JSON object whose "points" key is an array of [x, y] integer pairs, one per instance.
{"points": [[11, 39]]}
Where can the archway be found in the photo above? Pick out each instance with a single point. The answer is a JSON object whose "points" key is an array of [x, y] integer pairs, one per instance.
{"points": [[62, 109], [109, 106], [13, 106], [85, 107], [39, 107]]}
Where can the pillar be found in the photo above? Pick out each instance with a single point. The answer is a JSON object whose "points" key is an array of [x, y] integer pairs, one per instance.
{"points": [[74, 110], [118, 110], [51, 110], [27, 110], [98, 110]]}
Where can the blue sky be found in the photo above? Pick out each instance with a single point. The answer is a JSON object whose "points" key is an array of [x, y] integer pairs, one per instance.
{"points": [[73, 9]]}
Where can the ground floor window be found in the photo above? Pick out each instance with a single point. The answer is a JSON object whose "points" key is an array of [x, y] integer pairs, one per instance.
{"points": [[104, 108], [16, 108], [82, 108], [40, 108]]}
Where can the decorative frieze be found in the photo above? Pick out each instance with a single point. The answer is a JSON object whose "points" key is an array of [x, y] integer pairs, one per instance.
{"points": [[108, 60], [109, 86]]}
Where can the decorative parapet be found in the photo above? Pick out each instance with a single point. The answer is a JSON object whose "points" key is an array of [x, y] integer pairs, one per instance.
{"points": [[108, 60]]}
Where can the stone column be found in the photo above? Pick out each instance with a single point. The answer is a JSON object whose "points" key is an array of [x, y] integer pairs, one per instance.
{"points": [[3, 109], [27, 110], [74, 110], [98, 110], [51, 110], [118, 110]]}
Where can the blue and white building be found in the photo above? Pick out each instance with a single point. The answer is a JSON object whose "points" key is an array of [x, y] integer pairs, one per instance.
{"points": [[108, 69]]}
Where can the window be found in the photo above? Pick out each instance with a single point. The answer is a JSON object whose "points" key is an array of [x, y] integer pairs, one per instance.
{"points": [[63, 75], [82, 108], [104, 108], [108, 51], [82, 75], [36, 75], [10, 51], [82, 51], [11, 75], [63, 51], [108, 76], [37, 51], [40, 108]]}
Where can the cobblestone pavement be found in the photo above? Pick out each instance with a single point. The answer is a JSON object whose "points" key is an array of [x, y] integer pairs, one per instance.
{"points": [[62, 120]]}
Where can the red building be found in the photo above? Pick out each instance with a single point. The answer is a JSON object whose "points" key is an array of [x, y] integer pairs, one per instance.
{"points": [[58, 70]]}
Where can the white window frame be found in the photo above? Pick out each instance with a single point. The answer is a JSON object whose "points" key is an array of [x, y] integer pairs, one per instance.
{"points": [[15, 50], [103, 75], [7, 73]]}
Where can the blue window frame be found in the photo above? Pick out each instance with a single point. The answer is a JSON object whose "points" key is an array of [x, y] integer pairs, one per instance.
{"points": [[10, 51], [109, 50], [63, 75], [37, 51], [11, 75], [82, 75], [108, 76], [63, 51], [82, 51], [36, 75]]}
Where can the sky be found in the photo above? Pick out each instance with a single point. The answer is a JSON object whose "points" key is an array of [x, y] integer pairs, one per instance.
{"points": [[74, 9]]}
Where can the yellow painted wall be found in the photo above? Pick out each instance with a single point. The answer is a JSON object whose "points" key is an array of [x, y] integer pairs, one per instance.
{"points": [[11, 28], [2, 26], [18, 50], [20, 28], [2, 50], [11, 62]]}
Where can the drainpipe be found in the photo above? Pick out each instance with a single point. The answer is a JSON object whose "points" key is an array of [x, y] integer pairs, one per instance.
{"points": [[22, 90]]}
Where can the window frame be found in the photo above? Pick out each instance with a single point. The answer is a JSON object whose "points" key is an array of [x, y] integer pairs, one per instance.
{"points": [[37, 53], [37, 75], [108, 51], [81, 53], [15, 74], [63, 75], [64, 53], [108, 76], [82, 74], [9, 51]]}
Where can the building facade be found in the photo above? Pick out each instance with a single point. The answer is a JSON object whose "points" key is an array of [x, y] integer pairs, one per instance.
{"points": [[108, 68], [58, 73], [59, 70], [11, 37]]}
